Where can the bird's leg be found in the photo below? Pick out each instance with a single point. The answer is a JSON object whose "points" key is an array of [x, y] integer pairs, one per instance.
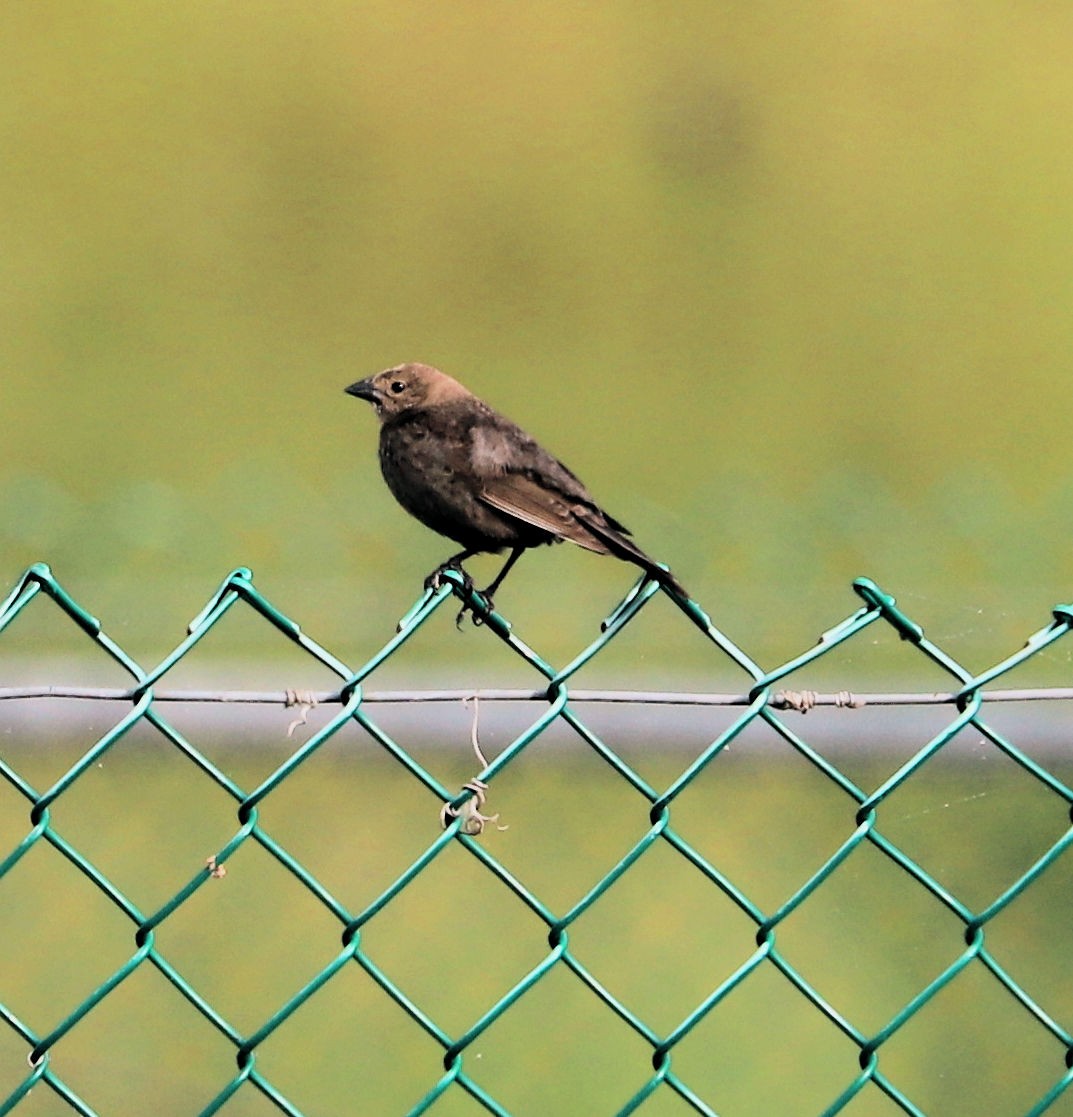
{"points": [[496, 582], [489, 593]]}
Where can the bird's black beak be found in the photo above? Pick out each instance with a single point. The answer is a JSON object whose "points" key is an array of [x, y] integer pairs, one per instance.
{"points": [[364, 389]]}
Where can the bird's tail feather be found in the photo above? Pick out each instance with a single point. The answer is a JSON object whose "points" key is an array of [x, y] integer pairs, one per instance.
{"points": [[623, 547]]}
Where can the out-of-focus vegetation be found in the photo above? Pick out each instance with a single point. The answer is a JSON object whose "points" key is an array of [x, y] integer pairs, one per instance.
{"points": [[789, 285]]}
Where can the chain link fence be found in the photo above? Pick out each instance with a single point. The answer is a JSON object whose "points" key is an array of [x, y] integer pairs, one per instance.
{"points": [[670, 1055]]}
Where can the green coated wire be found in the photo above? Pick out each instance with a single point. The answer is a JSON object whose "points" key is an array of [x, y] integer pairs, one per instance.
{"points": [[457, 1070]]}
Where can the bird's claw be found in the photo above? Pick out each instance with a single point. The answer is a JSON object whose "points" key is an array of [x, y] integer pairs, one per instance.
{"points": [[435, 579], [477, 612]]}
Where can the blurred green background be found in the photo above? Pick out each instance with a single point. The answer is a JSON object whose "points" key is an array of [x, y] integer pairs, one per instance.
{"points": [[788, 285]]}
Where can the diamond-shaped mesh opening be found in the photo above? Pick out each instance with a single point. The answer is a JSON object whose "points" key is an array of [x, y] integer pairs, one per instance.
{"points": [[766, 816], [61, 937], [992, 1057], [143, 1040], [765, 1049], [973, 818], [455, 940], [869, 938], [328, 1057], [1026, 938], [173, 817], [248, 941], [661, 938], [584, 1050], [353, 816], [242, 899], [570, 819]]}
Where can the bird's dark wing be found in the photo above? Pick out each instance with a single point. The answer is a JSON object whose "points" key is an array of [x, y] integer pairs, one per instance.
{"points": [[580, 522], [532, 501], [519, 478]]}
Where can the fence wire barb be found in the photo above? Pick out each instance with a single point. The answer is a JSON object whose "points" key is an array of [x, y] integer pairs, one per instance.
{"points": [[664, 1058]]}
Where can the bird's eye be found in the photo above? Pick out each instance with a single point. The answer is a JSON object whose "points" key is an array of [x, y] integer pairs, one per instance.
{"points": [[398, 386]]}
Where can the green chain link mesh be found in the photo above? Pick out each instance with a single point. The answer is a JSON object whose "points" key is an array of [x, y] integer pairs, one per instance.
{"points": [[457, 1071]]}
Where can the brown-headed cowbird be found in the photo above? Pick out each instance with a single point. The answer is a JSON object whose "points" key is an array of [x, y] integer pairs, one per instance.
{"points": [[471, 474]]}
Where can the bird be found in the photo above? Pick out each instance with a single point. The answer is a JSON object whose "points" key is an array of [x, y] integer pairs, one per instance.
{"points": [[471, 474]]}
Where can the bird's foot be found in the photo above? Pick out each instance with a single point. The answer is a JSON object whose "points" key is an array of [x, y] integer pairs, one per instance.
{"points": [[476, 611], [435, 579]]}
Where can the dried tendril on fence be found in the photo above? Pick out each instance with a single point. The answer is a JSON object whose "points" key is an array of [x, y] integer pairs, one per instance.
{"points": [[473, 820]]}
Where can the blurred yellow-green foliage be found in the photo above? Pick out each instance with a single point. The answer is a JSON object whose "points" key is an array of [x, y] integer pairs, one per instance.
{"points": [[789, 285]]}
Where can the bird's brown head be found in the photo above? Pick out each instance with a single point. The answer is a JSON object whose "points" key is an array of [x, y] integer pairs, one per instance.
{"points": [[409, 387]]}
